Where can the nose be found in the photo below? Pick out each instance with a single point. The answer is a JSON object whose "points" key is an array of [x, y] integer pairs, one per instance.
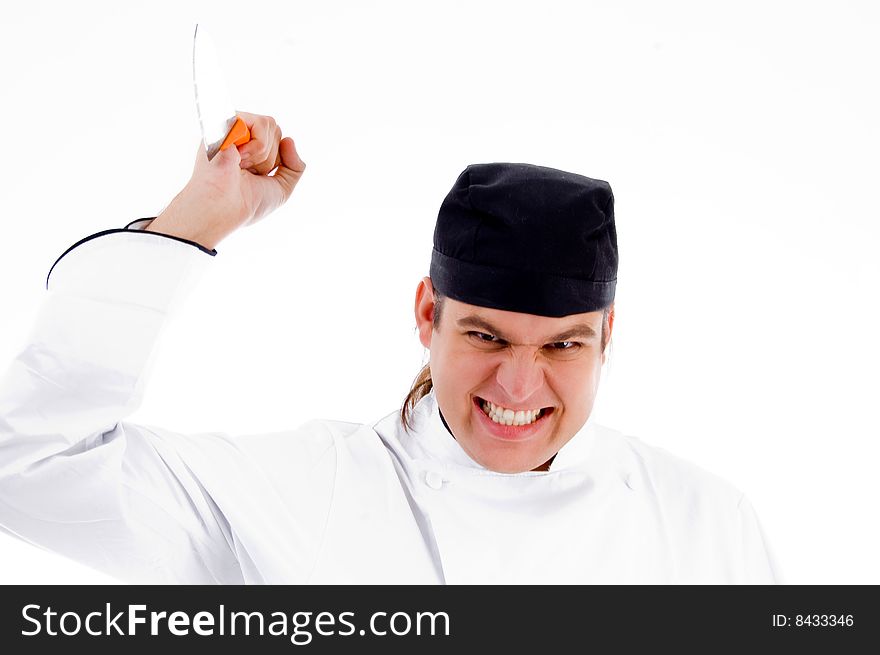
{"points": [[520, 376]]}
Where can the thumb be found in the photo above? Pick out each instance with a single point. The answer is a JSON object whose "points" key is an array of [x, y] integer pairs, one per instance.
{"points": [[291, 168]]}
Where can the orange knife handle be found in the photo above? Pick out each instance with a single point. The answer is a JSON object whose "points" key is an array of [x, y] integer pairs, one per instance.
{"points": [[238, 135]]}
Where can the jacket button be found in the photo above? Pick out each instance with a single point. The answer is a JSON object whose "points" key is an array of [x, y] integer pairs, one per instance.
{"points": [[433, 479]]}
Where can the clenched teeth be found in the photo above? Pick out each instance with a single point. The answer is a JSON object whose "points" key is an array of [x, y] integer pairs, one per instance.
{"points": [[506, 416]]}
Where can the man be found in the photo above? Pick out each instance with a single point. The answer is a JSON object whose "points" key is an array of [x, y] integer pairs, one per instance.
{"points": [[491, 472]]}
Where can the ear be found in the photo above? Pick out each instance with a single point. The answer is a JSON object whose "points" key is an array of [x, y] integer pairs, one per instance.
{"points": [[610, 328], [424, 309]]}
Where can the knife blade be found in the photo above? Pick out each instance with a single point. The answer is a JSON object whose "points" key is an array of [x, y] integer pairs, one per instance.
{"points": [[221, 125]]}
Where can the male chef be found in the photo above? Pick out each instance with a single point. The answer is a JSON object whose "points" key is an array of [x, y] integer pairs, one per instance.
{"points": [[491, 472]]}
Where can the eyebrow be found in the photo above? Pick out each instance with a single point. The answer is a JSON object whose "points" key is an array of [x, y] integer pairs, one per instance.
{"points": [[581, 330]]}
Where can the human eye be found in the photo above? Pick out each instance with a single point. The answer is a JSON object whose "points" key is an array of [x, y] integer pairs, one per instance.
{"points": [[482, 337], [564, 345]]}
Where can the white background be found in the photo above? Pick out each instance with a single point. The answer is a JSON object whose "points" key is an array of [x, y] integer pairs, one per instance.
{"points": [[740, 139]]}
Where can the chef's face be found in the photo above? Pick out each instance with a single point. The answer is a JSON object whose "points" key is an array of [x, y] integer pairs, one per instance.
{"points": [[489, 362]]}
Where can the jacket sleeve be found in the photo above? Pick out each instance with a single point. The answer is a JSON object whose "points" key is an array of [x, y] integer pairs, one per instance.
{"points": [[75, 478], [759, 562]]}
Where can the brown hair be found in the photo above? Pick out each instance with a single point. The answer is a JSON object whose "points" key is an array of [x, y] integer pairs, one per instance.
{"points": [[423, 383]]}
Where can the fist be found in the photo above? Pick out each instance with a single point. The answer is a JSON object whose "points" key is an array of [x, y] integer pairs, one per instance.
{"points": [[241, 185]]}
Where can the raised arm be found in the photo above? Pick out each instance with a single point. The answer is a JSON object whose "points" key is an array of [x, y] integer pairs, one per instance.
{"points": [[75, 477]]}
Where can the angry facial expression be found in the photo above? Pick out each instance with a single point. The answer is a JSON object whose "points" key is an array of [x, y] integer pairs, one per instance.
{"points": [[513, 388]]}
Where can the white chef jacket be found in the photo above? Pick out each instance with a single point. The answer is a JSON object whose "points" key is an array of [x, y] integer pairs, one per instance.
{"points": [[328, 502]]}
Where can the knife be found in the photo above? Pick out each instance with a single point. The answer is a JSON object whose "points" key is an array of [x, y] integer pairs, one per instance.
{"points": [[221, 126]]}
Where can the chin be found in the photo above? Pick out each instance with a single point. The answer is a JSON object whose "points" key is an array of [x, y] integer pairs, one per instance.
{"points": [[512, 469], [509, 463]]}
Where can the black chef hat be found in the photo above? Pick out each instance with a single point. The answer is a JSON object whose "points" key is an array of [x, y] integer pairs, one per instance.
{"points": [[526, 238]]}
